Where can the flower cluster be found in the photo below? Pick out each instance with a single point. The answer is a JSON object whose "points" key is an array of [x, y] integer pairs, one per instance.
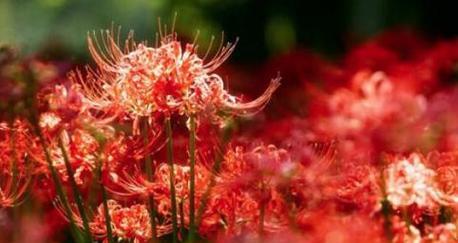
{"points": [[15, 174], [170, 78], [147, 146]]}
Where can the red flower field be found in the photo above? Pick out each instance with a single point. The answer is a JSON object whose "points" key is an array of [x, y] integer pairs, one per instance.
{"points": [[151, 145]]}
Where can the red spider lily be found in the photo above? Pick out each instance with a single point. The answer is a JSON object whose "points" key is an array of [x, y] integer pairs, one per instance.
{"points": [[158, 189], [373, 100], [137, 185], [68, 119], [233, 205], [65, 108], [82, 149], [123, 152], [359, 187], [243, 166], [297, 188], [15, 176], [236, 211], [409, 182], [372, 117], [127, 223], [165, 79], [245, 197]]}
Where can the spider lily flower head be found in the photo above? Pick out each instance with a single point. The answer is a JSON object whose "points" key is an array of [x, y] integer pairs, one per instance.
{"points": [[244, 166], [372, 102], [169, 78], [85, 151], [64, 109], [230, 211], [131, 222], [409, 182], [270, 160], [122, 152], [128, 223], [67, 102], [128, 185], [82, 151], [359, 187], [14, 170], [69, 119]]}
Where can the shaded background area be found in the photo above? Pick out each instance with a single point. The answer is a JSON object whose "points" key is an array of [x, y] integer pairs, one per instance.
{"points": [[265, 27]]}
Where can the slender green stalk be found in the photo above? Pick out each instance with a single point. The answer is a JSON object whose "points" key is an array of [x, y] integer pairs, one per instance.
{"points": [[192, 163], [92, 199], [168, 129], [93, 192], [182, 226], [32, 114], [152, 216], [149, 174], [105, 199], [107, 215], [76, 192], [59, 189]]}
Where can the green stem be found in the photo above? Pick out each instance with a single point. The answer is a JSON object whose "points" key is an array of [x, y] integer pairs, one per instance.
{"points": [[105, 199], [107, 214], [32, 114], [192, 162], [168, 128], [76, 192], [93, 191], [59, 189], [149, 174], [182, 226]]}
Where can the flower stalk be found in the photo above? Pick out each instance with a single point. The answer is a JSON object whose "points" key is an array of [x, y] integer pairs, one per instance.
{"points": [[76, 192], [168, 130], [103, 190], [107, 215], [149, 175], [59, 189], [192, 163]]}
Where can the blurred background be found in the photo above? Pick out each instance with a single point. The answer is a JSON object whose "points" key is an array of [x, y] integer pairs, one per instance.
{"points": [[265, 27]]}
